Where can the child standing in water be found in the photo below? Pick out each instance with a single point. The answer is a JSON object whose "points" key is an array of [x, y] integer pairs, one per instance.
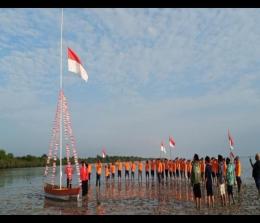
{"points": [[69, 172]]}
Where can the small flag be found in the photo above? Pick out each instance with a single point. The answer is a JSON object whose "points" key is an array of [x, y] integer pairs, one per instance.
{"points": [[232, 155], [163, 148], [75, 65], [231, 141], [171, 142], [103, 153]]}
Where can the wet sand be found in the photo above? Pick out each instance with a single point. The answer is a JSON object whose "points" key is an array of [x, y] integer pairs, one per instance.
{"points": [[21, 192], [172, 198]]}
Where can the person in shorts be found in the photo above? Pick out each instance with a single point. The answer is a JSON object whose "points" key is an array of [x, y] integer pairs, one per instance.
{"points": [[230, 177]]}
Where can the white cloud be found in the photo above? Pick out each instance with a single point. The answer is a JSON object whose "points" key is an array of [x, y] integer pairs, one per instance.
{"points": [[152, 72]]}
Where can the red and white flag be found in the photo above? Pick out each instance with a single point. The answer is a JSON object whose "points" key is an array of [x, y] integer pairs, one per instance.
{"points": [[231, 141], [232, 155], [163, 148], [171, 142], [103, 153], [75, 65]]}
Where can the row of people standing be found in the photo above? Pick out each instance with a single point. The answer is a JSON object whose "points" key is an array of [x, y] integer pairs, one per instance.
{"points": [[161, 168]]}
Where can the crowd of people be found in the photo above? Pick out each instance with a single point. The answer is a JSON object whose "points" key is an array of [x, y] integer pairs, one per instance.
{"points": [[221, 172]]}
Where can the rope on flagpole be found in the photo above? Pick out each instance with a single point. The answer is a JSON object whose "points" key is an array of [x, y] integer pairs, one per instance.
{"points": [[61, 99]]}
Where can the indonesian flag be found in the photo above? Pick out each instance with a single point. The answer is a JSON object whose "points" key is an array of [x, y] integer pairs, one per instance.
{"points": [[232, 155], [75, 65], [103, 153], [171, 142], [231, 141], [163, 148]]}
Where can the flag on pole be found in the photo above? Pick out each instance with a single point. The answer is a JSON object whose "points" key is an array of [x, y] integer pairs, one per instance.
{"points": [[232, 155], [171, 142], [75, 65], [231, 141], [103, 153], [163, 147]]}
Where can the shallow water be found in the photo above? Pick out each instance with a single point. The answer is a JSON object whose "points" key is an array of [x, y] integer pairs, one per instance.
{"points": [[21, 192]]}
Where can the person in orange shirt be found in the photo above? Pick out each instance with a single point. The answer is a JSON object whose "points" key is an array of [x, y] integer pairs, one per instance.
{"points": [[166, 164], [127, 167], [153, 165], [89, 172], [170, 168], [159, 171], [174, 168], [147, 171], [157, 167], [238, 173], [113, 170], [178, 167], [119, 169], [163, 169], [133, 170], [184, 169], [69, 172], [181, 167], [140, 170], [98, 172], [107, 172]]}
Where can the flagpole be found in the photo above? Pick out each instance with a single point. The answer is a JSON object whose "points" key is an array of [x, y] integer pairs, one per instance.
{"points": [[61, 99]]}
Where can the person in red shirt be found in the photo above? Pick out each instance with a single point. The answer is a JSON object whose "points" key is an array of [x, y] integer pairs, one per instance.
{"points": [[84, 177], [69, 172]]}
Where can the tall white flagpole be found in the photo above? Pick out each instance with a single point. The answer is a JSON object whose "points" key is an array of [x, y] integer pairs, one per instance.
{"points": [[61, 99]]}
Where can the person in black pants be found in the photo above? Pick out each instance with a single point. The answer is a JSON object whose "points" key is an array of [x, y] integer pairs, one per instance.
{"points": [[256, 172], [208, 181], [84, 178]]}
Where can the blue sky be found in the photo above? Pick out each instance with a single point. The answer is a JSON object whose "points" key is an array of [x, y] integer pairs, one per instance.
{"points": [[189, 73]]}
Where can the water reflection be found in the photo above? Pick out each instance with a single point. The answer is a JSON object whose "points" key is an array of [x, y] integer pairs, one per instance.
{"points": [[23, 194]]}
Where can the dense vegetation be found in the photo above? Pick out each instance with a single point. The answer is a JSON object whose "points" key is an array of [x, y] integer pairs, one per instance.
{"points": [[7, 160]]}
